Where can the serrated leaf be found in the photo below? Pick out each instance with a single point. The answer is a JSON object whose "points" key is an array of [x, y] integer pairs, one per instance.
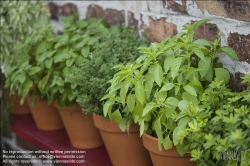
{"points": [[189, 89], [175, 66], [85, 51], [229, 51], [158, 74]]}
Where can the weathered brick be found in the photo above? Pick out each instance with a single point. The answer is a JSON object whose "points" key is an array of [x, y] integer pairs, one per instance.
{"points": [[239, 9], [112, 16], [235, 82], [241, 44], [207, 31], [69, 9], [171, 4], [53, 9], [159, 30], [131, 20]]}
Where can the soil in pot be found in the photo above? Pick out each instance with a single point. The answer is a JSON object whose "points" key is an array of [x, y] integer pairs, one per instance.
{"points": [[123, 148], [80, 127], [165, 157], [46, 116]]}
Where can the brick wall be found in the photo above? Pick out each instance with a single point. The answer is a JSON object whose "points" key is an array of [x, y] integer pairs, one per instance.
{"points": [[164, 18]]}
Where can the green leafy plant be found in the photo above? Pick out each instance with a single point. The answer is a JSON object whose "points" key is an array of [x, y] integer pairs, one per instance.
{"points": [[163, 81], [17, 20], [218, 126], [43, 60], [117, 45]]}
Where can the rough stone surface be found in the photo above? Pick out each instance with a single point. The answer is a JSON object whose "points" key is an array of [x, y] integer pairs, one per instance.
{"points": [[68, 9], [207, 31], [159, 30], [110, 15], [235, 82], [172, 5], [131, 20], [241, 44], [239, 9]]}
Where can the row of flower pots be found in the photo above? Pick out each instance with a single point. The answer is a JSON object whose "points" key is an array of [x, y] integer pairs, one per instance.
{"points": [[87, 131]]}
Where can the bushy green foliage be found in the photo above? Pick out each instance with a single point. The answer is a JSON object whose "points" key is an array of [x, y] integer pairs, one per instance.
{"points": [[43, 60], [117, 45], [163, 81], [220, 124], [17, 19]]}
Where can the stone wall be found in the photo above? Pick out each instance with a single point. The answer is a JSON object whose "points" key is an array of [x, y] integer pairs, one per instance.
{"points": [[164, 18]]}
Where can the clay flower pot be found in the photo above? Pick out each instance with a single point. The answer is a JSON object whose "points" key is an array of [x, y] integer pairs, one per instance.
{"points": [[123, 148], [165, 157], [80, 127], [45, 116]]}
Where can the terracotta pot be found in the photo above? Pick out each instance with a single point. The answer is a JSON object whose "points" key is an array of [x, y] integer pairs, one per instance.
{"points": [[17, 108], [46, 116], [165, 157], [123, 148], [80, 127]]}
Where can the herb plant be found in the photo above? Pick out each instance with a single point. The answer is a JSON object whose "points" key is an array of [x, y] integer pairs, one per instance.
{"points": [[117, 45], [163, 81], [220, 124], [43, 60]]}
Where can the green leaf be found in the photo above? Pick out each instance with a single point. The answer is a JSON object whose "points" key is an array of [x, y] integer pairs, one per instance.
{"points": [[167, 87], [197, 24], [93, 40], [168, 62], [123, 91], [22, 77], [69, 62], [116, 115], [180, 149], [222, 74], [139, 92], [158, 74], [205, 66], [48, 63], [175, 66], [85, 51], [167, 143], [34, 70], [148, 108], [199, 53], [138, 109], [209, 75], [189, 98], [172, 101], [229, 51], [157, 127], [131, 102], [181, 124], [107, 107], [203, 42], [148, 87], [183, 105], [189, 89], [61, 57]]}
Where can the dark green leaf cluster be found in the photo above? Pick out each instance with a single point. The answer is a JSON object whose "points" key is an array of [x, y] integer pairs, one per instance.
{"points": [[117, 46]]}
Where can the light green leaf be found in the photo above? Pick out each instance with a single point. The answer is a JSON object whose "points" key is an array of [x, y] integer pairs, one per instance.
{"points": [[157, 127], [69, 62], [167, 87], [85, 51], [189, 89], [48, 63], [189, 98], [180, 149], [22, 77], [204, 65], [93, 40], [167, 143], [148, 87], [107, 107], [139, 92], [175, 66], [158, 74], [116, 115], [183, 105], [138, 109], [148, 108], [172, 101], [203, 42], [222, 74], [131, 102], [168, 62], [209, 75], [199, 53], [61, 57], [34, 70], [229, 51]]}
